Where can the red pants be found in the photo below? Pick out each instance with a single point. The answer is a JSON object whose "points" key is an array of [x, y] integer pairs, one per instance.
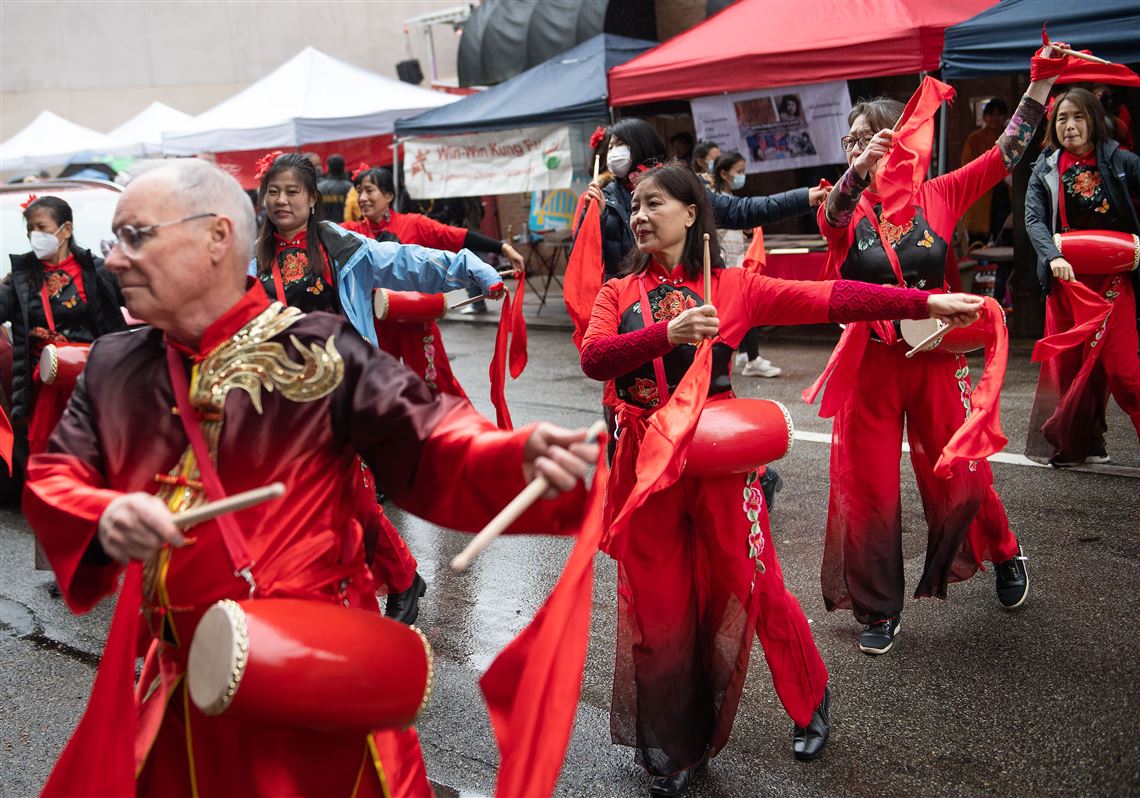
{"points": [[687, 609], [862, 560], [1068, 420]]}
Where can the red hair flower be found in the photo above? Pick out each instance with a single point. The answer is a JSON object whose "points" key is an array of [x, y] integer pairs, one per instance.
{"points": [[31, 198], [362, 167], [597, 136], [266, 161]]}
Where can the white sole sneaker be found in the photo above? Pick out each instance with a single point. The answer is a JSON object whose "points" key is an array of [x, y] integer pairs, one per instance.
{"points": [[877, 651]]}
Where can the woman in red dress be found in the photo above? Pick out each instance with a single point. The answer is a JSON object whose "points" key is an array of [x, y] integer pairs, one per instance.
{"points": [[694, 566], [863, 560], [418, 344]]}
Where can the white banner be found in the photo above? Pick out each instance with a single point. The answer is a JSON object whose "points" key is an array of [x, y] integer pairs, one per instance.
{"points": [[774, 129], [477, 164]]}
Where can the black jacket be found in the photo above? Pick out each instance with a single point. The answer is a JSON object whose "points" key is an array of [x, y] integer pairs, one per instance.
{"points": [[20, 293], [1120, 170], [732, 213]]}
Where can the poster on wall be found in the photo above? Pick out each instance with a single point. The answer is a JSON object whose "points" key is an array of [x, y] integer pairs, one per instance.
{"points": [[782, 128], [480, 164]]}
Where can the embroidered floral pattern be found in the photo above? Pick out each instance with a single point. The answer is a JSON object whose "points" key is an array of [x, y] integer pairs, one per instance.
{"points": [[1019, 131], [293, 266], [894, 233], [752, 508], [1084, 186], [56, 282], [963, 377], [644, 391], [1110, 294], [430, 372], [672, 305], [47, 336]]}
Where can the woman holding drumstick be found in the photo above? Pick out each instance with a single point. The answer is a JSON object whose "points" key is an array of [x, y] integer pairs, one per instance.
{"points": [[863, 562], [683, 596]]}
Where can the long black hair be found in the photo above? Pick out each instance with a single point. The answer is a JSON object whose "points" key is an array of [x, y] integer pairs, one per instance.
{"points": [[645, 147], [677, 180], [306, 173]]}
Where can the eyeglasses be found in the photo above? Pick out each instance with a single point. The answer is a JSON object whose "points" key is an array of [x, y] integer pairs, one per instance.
{"points": [[849, 142], [132, 238]]}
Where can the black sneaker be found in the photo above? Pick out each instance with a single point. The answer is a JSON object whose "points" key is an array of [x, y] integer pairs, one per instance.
{"points": [[405, 607], [878, 637], [771, 484], [1099, 456], [1012, 580]]}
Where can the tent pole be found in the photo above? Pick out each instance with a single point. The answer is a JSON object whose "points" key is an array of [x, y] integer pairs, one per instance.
{"points": [[396, 171], [942, 138]]}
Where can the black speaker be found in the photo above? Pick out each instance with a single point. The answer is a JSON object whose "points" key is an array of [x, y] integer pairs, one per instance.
{"points": [[410, 72]]}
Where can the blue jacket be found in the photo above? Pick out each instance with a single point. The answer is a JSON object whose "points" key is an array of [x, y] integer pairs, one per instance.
{"points": [[363, 265]]}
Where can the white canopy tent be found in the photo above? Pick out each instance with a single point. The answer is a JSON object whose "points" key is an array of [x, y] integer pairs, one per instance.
{"points": [[311, 98], [51, 140], [141, 135]]}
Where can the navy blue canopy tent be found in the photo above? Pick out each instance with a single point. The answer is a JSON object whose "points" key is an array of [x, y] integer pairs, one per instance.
{"points": [[568, 88], [1002, 38]]}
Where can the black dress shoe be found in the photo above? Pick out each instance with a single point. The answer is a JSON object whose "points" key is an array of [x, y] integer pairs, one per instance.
{"points": [[405, 607], [677, 783], [808, 743], [771, 484]]}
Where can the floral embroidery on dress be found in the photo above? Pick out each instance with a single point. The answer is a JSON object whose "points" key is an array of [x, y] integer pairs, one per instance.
{"points": [[753, 505], [430, 372], [48, 336], [894, 233], [56, 281], [963, 377], [644, 391], [672, 305], [293, 266], [1084, 183]]}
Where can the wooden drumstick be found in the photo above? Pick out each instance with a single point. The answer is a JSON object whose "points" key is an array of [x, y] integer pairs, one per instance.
{"points": [[230, 504], [509, 514], [1083, 56], [925, 342], [708, 273], [597, 167], [467, 302]]}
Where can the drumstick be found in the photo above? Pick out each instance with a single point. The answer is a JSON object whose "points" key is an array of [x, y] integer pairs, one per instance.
{"points": [[921, 345], [1075, 54], [467, 302], [597, 165], [230, 504], [708, 273], [509, 514]]}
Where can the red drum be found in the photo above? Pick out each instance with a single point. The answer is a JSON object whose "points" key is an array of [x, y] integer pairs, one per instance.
{"points": [[408, 305], [956, 340], [735, 436], [61, 364], [307, 664], [1099, 251]]}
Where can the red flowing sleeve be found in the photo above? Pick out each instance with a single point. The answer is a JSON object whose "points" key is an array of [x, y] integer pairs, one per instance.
{"points": [[958, 190], [437, 235], [435, 455], [64, 497], [769, 300]]}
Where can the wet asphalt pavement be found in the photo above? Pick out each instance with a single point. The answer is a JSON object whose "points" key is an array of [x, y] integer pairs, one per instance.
{"points": [[972, 701]]}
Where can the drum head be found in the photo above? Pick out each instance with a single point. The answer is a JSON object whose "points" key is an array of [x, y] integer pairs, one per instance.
{"points": [[915, 331], [217, 657], [49, 364], [380, 303]]}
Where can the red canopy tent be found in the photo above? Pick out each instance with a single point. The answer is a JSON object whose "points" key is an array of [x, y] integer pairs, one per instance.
{"points": [[756, 44]]}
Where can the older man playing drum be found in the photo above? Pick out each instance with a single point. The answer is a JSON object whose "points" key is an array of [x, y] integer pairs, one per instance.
{"points": [[223, 393]]}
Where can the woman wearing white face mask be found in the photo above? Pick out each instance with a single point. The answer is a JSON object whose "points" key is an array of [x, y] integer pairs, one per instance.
{"points": [[728, 176], [58, 293]]}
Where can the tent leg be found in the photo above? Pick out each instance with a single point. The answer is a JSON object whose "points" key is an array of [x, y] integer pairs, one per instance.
{"points": [[942, 139], [396, 172]]}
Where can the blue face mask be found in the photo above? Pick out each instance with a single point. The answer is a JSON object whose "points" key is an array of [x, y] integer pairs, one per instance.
{"points": [[738, 181], [709, 165]]}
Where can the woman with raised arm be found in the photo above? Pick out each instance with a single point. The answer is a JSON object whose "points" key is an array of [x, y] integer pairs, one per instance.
{"points": [[929, 394]]}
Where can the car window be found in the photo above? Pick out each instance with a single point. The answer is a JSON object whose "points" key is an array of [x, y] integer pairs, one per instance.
{"points": [[92, 203]]}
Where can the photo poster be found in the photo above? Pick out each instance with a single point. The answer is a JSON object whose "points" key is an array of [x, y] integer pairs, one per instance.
{"points": [[779, 128]]}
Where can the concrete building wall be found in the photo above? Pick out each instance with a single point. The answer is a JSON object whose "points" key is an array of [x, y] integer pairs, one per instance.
{"points": [[100, 63]]}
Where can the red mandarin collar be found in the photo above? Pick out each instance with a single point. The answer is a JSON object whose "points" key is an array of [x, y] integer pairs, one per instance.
{"points": [[67, 264], [660, 274], [376, 228], [1068, 159], [253, 302], [299, 241]]}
